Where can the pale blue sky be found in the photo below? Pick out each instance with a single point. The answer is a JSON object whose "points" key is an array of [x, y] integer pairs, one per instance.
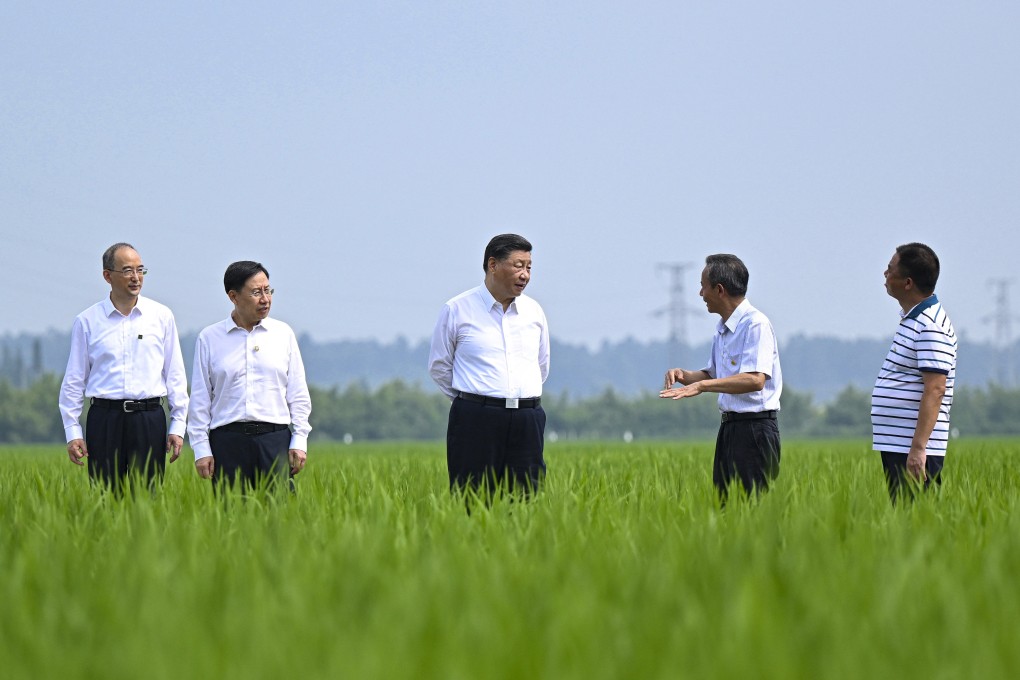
{"points": [[365, 152]]}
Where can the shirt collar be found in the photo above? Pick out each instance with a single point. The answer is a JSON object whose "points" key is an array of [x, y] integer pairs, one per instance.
{"points": [[109, 309], [230, 326], [920, 307], [489, 301], [731, 323]]}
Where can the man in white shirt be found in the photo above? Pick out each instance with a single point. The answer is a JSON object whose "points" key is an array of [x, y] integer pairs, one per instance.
{"points": [[249, 399], [125, 357], [744, 370], [914, 389], [490, 356]]}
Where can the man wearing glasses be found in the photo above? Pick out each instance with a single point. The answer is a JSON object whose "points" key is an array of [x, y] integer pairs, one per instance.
{"points": [[249, 400], [125, 357]]}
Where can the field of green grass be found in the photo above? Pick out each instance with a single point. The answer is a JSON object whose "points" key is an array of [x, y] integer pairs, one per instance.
{"points": [[624, 567]]}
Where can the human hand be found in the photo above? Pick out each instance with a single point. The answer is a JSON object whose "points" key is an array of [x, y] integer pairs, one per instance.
{"points": [[691, 390], [297, 460], [76, 450], [173, 446], [674, 376], [915, 464], [205, 466]]}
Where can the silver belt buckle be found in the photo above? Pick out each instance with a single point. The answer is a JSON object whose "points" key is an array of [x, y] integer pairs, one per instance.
{"points": [[511, 403], [124, 406]]}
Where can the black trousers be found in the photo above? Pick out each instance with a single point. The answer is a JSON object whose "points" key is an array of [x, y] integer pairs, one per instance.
{"points": [[493, 445], [747, 450], [895, 466], [250, 459], [121, 444]]}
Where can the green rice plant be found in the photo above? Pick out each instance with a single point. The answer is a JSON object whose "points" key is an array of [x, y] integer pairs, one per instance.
{"points": [[623, 566]]}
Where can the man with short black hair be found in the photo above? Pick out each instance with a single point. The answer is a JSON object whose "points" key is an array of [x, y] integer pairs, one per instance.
{"points": [[914, 389], [744, 370], [125, 357], [249, 399], [490, 356]]}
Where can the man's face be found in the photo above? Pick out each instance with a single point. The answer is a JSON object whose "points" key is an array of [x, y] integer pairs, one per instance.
{"points": [[895, 282], [710, 294], [510, 276], [125, 285], [252, 302]]}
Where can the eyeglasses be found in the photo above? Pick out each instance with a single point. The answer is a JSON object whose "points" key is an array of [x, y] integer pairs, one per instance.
{"points": [[128, 271], [259, 292]]}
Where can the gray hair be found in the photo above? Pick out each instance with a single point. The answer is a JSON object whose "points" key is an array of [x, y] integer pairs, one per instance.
{"points": [[729, 271]]}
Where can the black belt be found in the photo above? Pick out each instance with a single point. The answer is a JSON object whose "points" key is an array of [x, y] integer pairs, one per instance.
{"points": [[252, 427], [501, 401], [129, 405], [730, 416]]}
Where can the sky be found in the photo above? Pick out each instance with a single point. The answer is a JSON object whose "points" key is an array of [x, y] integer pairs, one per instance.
{"points": [[365, 152]]}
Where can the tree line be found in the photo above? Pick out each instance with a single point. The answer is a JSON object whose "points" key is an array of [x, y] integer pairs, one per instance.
{"points": [[821, 366], [398, 410]]}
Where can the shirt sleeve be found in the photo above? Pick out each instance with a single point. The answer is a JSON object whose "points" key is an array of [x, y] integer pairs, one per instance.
{"points": [[759, 348], [936, 352], [444, 344], [72, 387], [199, 408], [175, 378], [543, 349], [299, 401]]}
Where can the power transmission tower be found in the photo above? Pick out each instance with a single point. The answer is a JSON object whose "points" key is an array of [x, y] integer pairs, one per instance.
{"points": [[677, 309], [1003, 320]]}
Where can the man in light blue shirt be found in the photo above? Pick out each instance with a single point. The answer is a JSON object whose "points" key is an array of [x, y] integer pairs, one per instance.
{"points": [[744, 370]]}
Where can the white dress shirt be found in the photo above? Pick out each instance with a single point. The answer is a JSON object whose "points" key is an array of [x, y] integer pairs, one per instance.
{"points": [[479, 348], [248, 376], [746, 343], [117, 356]]}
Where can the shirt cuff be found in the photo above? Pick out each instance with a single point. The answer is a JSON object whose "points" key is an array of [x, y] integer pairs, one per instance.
{"points": [[202, 450], [299, 442], [72, 433], [177, 427]]}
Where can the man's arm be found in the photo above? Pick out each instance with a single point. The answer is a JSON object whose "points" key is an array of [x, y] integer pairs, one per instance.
{"points": [[299, 403], [72, 393], [199, 411], [741, 383], [543, 350], [927, 417], [444, 345], [684, 377], [176, 382]]}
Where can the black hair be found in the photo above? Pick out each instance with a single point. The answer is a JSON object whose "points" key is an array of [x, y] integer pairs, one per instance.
{"points": [[239, 272], [729, 271], [919, 263], [501, 246]]}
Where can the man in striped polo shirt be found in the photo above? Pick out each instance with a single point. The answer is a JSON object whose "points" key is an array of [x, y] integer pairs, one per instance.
{"points": [[914, 390]]}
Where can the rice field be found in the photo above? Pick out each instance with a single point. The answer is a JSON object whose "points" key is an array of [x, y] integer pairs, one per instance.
{"points": [[623, 567]]}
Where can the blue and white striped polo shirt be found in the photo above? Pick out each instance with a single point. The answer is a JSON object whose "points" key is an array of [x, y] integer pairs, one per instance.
{"points": [[925, 341]]}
